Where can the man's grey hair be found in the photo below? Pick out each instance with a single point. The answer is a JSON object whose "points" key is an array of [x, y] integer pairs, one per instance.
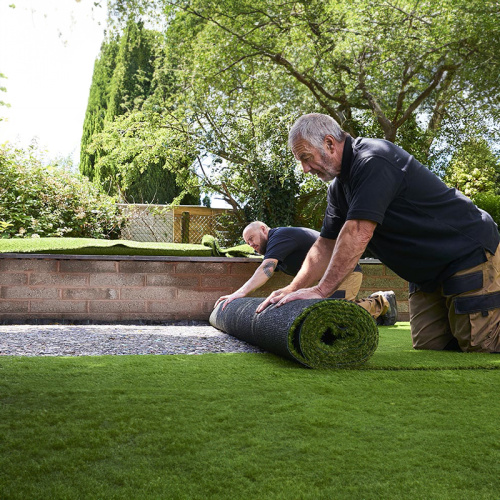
{"points": [[313, 128]]}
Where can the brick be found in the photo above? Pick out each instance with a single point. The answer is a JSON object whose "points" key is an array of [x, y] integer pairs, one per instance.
{"points": [[176, 306], [246, 269], [403, 307], [13, 306], [26, 292], [116, 280], [200, 268], [149, 293], [390, 272], [90, 294], [13, 279], [172, 280], [120, 316], [58, 279], [279, 280], [382, 282], [36, 265], [59, 306], [223, 281], [88, 266], [146, 267], [373, 269], [117, 306], [201, 295]]}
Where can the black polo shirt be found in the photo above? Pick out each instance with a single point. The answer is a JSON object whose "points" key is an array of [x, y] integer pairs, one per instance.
{"points": [[289, 246], [425, 230]]}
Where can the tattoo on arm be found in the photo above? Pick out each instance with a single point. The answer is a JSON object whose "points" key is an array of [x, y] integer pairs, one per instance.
{"points": [[269, 268]]}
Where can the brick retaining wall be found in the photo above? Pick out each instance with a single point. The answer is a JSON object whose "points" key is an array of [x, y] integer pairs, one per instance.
{"points": [[123, 288]]}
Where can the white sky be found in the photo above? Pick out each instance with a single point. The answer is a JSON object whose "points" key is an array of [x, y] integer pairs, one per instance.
{"points": [[47, 52]]}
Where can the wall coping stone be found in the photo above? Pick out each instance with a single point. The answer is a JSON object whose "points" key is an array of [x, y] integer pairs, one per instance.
{"points": [[157, 258]]}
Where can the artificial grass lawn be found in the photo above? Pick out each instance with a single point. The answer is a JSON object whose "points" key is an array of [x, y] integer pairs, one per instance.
{"points": [[90, 246], [250, 426]]}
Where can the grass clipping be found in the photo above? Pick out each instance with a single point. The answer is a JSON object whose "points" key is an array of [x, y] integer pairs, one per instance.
{"points": [[317, 333]]}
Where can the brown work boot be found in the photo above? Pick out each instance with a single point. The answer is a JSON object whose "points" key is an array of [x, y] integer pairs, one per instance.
{"points": [[391, 315]]}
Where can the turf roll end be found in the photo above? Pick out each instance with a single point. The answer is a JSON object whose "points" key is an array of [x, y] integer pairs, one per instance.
{"points": [[325, 333]]}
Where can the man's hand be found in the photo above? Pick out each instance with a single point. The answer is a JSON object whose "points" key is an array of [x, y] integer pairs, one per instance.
{"points": [[287, 294], [302, 294], [229, 298], [276, 296]]}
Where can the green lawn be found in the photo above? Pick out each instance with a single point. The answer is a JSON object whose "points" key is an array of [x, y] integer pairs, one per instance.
{"points": [[251, 426], [90, 246]]}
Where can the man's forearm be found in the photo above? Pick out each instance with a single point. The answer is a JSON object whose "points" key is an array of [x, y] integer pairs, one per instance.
{"points": [[260, 276], [351, 244]]}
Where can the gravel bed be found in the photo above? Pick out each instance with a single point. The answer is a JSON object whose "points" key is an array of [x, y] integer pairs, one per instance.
{"points": [[97, 340]]}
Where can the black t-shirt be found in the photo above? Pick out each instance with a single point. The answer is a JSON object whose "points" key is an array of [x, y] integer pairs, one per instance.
{"points": [[289, 246], [425, 230]]}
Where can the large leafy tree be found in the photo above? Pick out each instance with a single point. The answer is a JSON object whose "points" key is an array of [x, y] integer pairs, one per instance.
{"points": [[415, 72], [392, 66], [398, 69], [232, 136]]}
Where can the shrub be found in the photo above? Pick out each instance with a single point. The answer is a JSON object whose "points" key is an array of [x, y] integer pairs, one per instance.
{"points": [[489, 202], [38, 200]]}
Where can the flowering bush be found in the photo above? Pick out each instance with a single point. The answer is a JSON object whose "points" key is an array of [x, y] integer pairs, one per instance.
{"points": [[43, 201]]}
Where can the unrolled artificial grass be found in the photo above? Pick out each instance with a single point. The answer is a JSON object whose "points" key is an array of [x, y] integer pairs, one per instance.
{"points": [[395, 352], [90, 246], [244, 426], [317, 333]]}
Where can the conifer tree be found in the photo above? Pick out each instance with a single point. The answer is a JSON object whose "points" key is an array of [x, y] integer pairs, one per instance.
{"points": [[122, 82]]}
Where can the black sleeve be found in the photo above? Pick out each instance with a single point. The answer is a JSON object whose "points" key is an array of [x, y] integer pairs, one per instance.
{"points": [[374, 184], [336, 210], [280, 248]]}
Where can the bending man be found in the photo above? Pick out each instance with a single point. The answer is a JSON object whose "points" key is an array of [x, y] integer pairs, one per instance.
{"points": [[285, 248], [427, 233]]}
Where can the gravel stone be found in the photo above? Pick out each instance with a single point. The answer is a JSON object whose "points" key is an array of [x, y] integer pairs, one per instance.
{"points": [[107, 339]]}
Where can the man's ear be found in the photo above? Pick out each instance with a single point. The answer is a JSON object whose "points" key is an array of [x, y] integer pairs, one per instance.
{"points": [[330, 143]]}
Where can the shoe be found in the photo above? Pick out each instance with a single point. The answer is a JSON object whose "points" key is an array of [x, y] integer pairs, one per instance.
{"points": [[391, 316]]}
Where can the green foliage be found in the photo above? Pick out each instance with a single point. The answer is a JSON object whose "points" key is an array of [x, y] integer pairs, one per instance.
{"points": [[234, 74], [38, 200], [490, 203], [474, 168], [363, 62], [3, 89], [135, 153], [124, 77], [97, 104]]}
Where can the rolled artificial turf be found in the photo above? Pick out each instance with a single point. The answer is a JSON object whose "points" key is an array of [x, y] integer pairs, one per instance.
{"points": [[317, 333]]}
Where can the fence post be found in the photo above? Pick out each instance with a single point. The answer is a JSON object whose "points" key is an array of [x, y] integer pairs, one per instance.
{"points": [[185, 227]]}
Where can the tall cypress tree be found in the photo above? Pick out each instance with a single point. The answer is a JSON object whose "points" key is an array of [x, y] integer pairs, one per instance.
{"points": [[97, 105], [122, 81]]}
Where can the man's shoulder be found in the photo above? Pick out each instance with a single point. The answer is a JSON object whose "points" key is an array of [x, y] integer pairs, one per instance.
{"points": [[379, 149], [364, 147], [292, 232]]}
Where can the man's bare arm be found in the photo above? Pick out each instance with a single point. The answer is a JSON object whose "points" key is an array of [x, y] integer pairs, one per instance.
{"points": [[259, 278], [351, 243]]}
